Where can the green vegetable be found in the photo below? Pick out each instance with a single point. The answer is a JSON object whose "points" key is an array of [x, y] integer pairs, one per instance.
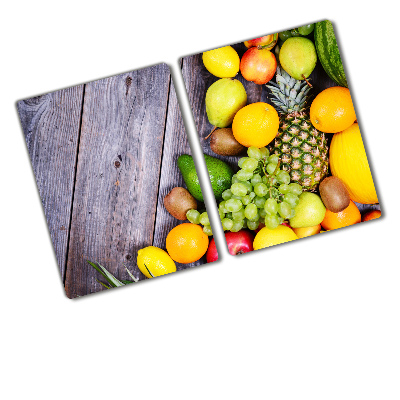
{"points": [[220, 175], [328, 52]]}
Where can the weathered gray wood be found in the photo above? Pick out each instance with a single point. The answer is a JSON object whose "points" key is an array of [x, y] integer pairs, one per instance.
{"points": [[51, 127], [175, 144], [117, 175]]}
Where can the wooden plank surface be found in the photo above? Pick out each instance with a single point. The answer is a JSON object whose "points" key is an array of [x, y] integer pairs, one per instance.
{"points": [[175, 144], [118, 171], [51, 127]]}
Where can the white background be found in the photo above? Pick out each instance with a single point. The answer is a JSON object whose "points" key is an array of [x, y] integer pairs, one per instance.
{"points": [[314, 319]]}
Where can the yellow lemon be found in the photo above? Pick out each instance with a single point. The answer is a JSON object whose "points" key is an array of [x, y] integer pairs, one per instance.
{"points": [[223, 62], [157, 261], [270, 237]]}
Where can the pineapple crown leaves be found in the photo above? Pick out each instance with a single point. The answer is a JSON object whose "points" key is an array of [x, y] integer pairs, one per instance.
{"points": [[110, 278], [289, 94]]}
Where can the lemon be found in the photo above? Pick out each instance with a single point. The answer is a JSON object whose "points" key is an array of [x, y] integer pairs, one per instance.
{"points": [[223, 62], [157, 261], [270, 237]]}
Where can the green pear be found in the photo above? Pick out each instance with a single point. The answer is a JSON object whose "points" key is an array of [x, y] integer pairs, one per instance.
{"points": [[309, 212], [298, 57], [224, 98]]}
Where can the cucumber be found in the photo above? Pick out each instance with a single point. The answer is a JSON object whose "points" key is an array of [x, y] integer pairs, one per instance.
{"points": [[328, 52]]}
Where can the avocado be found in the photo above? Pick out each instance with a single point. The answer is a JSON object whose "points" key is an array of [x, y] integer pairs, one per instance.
{"points": [[220, 175]]}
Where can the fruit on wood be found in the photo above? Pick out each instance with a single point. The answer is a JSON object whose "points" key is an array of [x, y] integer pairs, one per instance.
{"points": [[186, 243], [220, 175], [224, 98], [270, 237], [305, 29], [196, 218], [303, 150], [258, 65], [178, 202], [309, 212], [238, 243], [193, 216], [334, 194], [153, 261], [332, 110], [255, 125], [348, 162], [222, 62], [260, 194], [349, 216], [370, 215], [224, 143], [284, 35], [298, 57], [308, 231], [266, 42], [300, 31], [328, 52]]}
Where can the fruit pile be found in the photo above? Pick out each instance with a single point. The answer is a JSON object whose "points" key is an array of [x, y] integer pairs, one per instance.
{"points": [[283, 189], [283, 186]]}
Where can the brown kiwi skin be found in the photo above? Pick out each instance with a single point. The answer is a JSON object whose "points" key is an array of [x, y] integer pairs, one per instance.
{"points": [[334, 194], [224, 143], [178, 202]]}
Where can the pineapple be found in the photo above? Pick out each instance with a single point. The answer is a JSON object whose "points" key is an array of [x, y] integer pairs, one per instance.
{"points": [[303, 150]]}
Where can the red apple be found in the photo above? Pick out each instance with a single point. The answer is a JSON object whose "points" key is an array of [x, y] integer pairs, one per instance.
{"points": [[258, 65], [267, 42], [238, 243]]}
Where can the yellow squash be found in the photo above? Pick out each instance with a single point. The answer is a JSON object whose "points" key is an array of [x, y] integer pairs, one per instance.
{"points": [[349, 163]]}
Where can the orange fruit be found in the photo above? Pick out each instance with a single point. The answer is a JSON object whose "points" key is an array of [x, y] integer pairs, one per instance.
{"points": [[332, 110], [349, 216], [186, 243], [255, 125], [368, 216]]}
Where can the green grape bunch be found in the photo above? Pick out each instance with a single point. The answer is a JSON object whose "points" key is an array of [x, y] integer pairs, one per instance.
{"points": [[260, 193]]}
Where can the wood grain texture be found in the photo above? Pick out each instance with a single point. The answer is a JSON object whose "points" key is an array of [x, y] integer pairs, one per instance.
{"points": [[51, 127], [117, 175], [175, 144]]}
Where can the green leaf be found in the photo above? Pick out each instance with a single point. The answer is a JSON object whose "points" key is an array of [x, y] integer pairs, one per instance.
{"points": [[149, 271], [111, 279], [131, 275], [125, 282], [101, 283]]}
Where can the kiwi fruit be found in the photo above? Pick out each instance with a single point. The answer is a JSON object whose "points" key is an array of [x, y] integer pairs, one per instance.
{"points": [[224, 143], [334, 194], [178, 202]]}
